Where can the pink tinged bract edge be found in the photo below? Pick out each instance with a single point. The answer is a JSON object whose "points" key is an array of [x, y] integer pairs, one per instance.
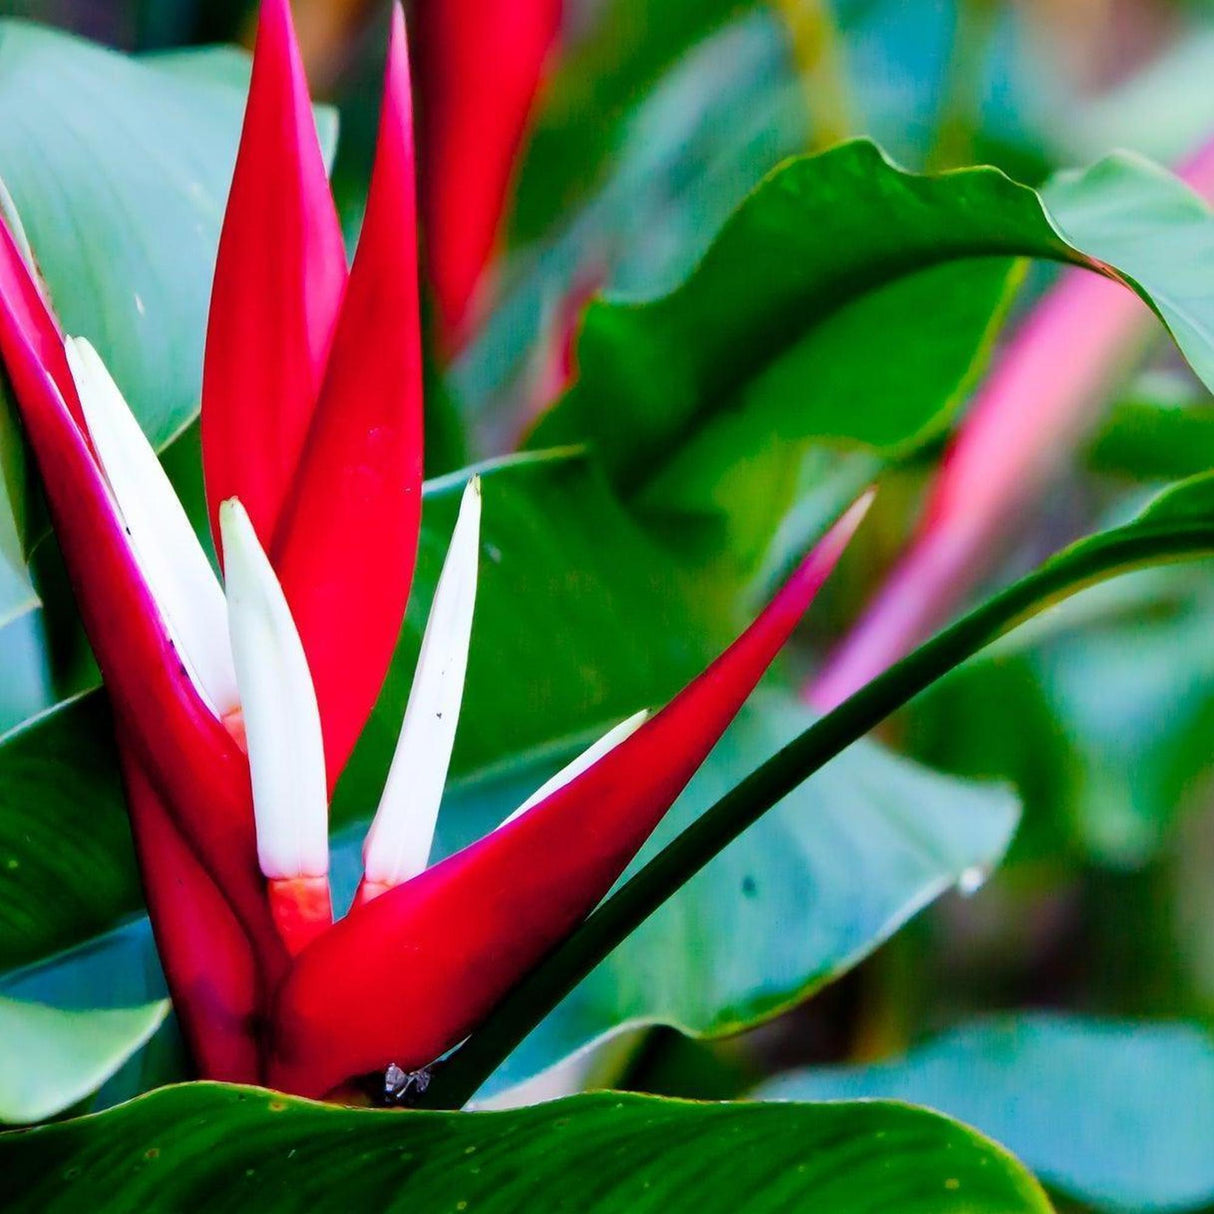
{"points": [[31, 318], [463, 932], [279, 279], [1043, 394]]}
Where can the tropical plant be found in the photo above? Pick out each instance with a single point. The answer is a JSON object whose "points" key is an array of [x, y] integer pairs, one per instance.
{"points": [[348, 817]]}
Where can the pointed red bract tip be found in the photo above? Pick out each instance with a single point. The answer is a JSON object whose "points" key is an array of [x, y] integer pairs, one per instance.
{"points": [[467, 929], [347, 544], [37, 325], [279, 278], [481, 64]]}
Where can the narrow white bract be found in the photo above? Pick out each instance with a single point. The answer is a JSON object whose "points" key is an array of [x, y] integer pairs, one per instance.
{"points": [[398, 843], [281, 719], [587, 759], [168, 552]]}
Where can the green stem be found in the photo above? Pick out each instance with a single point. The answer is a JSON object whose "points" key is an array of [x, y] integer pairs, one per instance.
{"points": [[458, 1078]]}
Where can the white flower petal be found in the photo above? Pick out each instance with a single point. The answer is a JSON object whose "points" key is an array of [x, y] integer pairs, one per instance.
{"points": [[170, 557], [281, 719], [608, 742], [398, 843]]}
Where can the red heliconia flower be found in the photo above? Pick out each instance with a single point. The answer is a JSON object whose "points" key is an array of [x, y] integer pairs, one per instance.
{"points": [[237, 705], [481, 64]]}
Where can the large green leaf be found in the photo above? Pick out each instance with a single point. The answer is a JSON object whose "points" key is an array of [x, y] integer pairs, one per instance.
{"points": [[119, 170], [1178, 525], [211, 1147], [52, 1057], [837, 257], [66, 863], [1115, 1113], [802, 897]]}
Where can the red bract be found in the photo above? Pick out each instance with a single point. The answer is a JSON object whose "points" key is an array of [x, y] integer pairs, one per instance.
{"points": [[324, 450], [236, 707], [466, 929], [481, 64]]}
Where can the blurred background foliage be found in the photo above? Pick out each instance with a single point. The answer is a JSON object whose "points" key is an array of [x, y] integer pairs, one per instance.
{"points": [[659, 116]]}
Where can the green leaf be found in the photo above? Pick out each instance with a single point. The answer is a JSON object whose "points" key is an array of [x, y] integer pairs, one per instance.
{"points": [[119, 170], [780, 914], [186, 1147], [67, 868], [1177, 526], [868, 291], [52, 1058], [1114, 1113], [1162, 430], [1189, 502]]}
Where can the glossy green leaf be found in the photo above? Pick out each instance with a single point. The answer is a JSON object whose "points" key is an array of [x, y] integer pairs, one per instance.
{"points": [[53, 1058], [824, 252], [1115, 1113], [206, 1145], [119, 168], [67, 868], [1179, 525], [119, 171], [1162, 430], [831, 873]]}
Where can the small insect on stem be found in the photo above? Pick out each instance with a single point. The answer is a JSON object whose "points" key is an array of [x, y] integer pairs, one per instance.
{"points": [[400, 1086]]}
